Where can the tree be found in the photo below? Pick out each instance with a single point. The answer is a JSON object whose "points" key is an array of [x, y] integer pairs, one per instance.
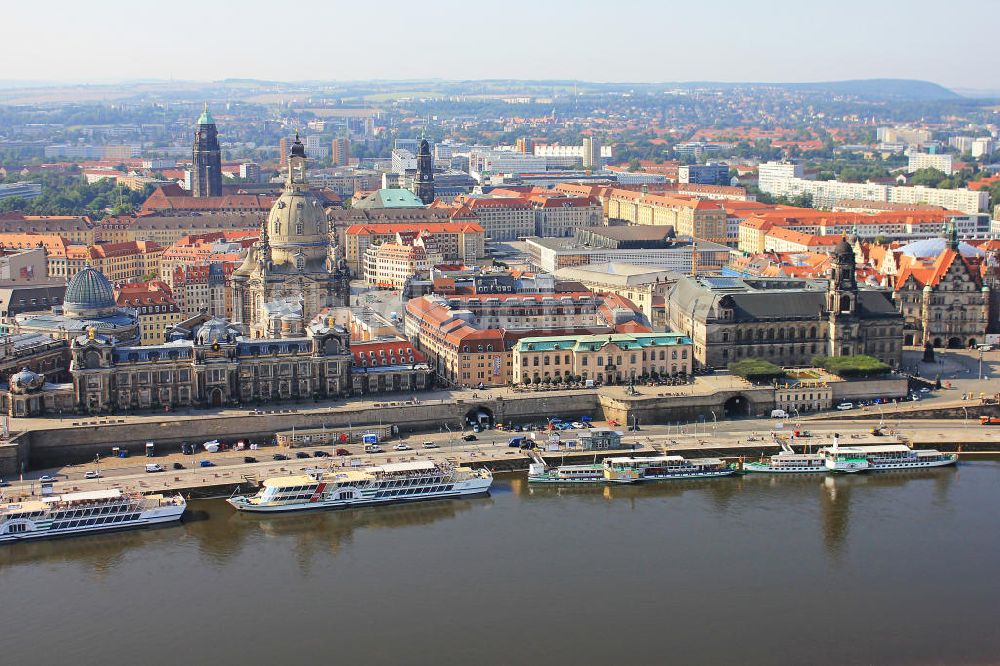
{"points": [[928, 176], [756, 370]]}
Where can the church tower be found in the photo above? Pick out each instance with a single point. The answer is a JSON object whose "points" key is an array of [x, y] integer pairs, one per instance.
{"points": [[206, 158], [423, 183], [842, 301], [288, 275]]}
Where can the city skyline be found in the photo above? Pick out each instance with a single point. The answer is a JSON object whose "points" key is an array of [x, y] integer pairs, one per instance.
{"points": [[639, 41]]}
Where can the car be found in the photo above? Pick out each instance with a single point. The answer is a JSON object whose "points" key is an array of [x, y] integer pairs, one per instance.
{"points": [[249, 459], [92, 474], [528, 445], [279, 456], [925, 390], [343, 452], [430, 445], [320, 454], [301, 454], [844, 406], [178, 465], [477, 428], [153, 468], [578, 425], [401, 447], [46, 477], [4, 483], [469, 438], [206, 463]]}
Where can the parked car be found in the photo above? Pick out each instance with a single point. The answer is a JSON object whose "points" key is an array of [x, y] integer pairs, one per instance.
{"points": [[844, 406], [320, 454], [249, 459], [46, 477], [301, 454], [154, 467], [528, 444], [469, 438], [430, 445], [206, 463], [343, 452], [925, 390], [92, 474], [516, 442], [279, 456], [402, 447], [578, 425], [3, 483], [178, 465], [477, 428]]}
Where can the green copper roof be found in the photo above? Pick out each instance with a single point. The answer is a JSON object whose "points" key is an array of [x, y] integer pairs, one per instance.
{"points": [[206, 117]]}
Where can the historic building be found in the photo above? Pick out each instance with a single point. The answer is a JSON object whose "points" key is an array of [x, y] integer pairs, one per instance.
{"points": [[294, 257], [784, 320], [213, 365], [939, 290], [423, 182], [609, 359], [206, 158], [89, 303]]}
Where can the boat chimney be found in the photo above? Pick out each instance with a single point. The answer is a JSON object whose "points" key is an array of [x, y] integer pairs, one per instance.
{"points": [[836, 440]]}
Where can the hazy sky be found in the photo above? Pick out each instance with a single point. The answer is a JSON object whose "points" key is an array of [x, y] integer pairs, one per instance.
{"points": [[616, 40]]}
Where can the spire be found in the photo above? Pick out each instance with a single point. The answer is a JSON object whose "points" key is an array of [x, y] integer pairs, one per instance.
{"points": [[206, 117]]}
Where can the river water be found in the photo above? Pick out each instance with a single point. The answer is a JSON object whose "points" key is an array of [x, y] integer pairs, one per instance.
{"points": [[883, 569]]}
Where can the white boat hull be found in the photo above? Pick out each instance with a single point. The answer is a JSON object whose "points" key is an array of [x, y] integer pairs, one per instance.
{"points": [[763, 468], [476, 486], [901, 466], [160, 515]]}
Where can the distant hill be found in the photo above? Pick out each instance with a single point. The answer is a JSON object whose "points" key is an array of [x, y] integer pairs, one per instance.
{"points": [[892, 88]]}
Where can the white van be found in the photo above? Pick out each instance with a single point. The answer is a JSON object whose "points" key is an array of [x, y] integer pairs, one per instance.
{"points": [[779, 414], [153, 467]]}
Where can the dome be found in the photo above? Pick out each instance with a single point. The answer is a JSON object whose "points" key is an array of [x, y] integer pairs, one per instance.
{"points": [[932, 247], [213, 330], [89, 294], [843, 249], [26, 381], [206, 117]]}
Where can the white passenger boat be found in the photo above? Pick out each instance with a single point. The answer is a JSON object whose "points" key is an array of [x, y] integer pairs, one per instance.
{"points": [[539, 473], [394, 482], [657, 468], [83, 512], [893, 457], [789, 463], [845, 459]]}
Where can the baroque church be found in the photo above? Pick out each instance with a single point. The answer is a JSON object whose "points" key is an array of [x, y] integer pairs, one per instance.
{"points": [[289, 276]]}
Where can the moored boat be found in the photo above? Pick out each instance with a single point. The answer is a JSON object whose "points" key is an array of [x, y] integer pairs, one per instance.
{"points": [[381, 484], [659, 468], [892, 457], [789, 463], [83, 512], [539, 473]]}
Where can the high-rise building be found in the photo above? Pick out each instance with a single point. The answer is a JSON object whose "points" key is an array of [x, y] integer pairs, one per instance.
{"points": [[206, 159], [250, 172], [591, 153], [525, 145], [423, 183], [340, 151]]}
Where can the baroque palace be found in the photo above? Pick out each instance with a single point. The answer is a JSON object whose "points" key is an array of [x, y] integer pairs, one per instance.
{"points": [[283, 344]]}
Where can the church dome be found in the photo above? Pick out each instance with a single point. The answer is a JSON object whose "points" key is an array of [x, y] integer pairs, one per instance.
{"points": [[89, 294], [213, 330], [843, 249]]}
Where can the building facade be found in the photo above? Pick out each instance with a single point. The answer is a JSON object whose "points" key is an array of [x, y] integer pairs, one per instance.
{"points": [[605, 359], [786, 321]]}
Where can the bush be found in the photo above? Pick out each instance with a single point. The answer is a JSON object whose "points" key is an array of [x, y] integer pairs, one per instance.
{"points": [[756, 370], [851, 366]]}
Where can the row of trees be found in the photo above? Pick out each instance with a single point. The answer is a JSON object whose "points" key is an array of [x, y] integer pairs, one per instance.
{"points": [[760, 371]]}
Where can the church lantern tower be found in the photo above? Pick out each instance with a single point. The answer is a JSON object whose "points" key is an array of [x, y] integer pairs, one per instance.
{"points": [[206, 158], [842, 301]]}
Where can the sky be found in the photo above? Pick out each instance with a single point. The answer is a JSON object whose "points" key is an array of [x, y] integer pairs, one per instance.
{"points": [[612, 40]]}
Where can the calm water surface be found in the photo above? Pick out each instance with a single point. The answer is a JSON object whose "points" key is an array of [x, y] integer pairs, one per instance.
{"points": [[887, 569]]}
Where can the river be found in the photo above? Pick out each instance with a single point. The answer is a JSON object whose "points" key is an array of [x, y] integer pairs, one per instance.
{"points": [[882, 569]]}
